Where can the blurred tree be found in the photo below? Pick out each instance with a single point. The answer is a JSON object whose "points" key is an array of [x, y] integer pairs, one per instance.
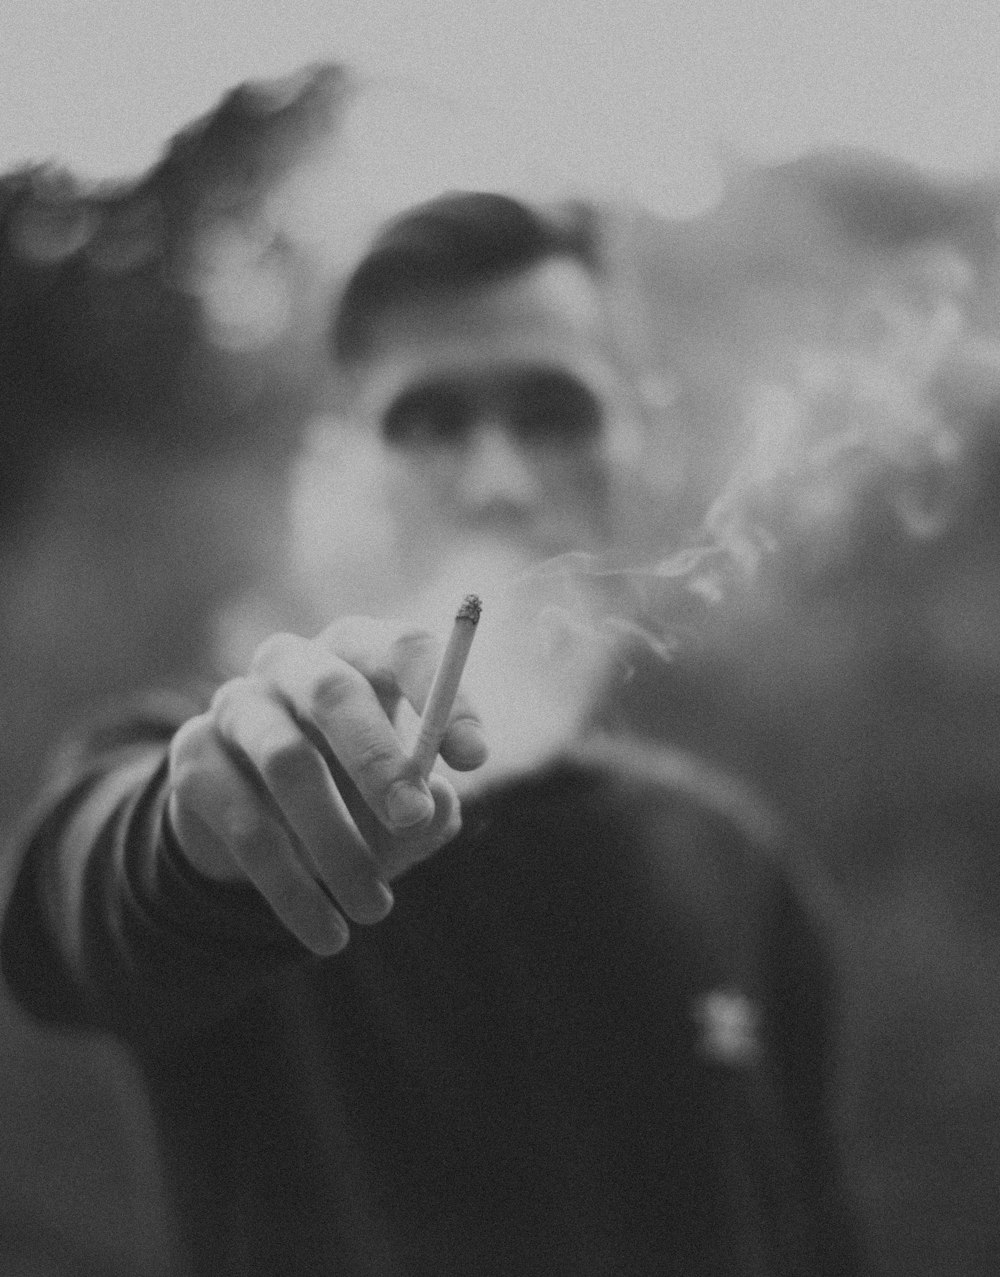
{"points": [[159, 356]]}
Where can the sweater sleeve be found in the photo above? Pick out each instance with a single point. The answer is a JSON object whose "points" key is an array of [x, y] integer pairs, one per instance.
{"points": [[108, 925]]}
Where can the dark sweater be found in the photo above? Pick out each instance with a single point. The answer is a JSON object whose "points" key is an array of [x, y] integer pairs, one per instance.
{"points": [[593, 1037]]}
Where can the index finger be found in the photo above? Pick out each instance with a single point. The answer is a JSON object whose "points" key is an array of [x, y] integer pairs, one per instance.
{"points": [[337, 709], [404, 662]]}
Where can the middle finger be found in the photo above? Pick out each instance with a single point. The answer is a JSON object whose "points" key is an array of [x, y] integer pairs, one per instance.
{"points": [[298, 782]]}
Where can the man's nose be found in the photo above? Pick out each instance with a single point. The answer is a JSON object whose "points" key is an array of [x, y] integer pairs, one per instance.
{"points": [[497, 475]]}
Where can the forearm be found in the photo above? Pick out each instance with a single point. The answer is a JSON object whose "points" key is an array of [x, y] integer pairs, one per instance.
{"points": [[184, 855], [108, 924]]}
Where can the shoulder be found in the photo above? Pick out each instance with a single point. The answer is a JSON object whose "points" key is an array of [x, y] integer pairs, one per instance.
{"points": [[663, 845], [681, 828], [655, 838]]}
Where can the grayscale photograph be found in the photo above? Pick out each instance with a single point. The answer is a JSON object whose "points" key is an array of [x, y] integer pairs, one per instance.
{"points": [[500, 618]]}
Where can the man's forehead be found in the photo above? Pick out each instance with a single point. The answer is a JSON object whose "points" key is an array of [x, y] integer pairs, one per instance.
{"points": [[551, 314], [558, 298]]}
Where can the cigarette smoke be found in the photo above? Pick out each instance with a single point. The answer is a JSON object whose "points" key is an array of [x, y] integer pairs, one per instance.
{"points": [[824, 340], [805, 359]]}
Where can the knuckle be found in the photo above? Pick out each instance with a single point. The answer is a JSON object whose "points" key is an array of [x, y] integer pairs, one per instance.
{"points": [[227, 700], [190, 739], [376, 756], [413, 656], [285, 761], [412, 644], [274, 651], [186, 787], [332, 689]]}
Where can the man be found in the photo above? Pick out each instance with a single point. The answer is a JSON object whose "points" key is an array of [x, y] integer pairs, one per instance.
{"points": [[593, 1036], [493, 437], [476, 341], [582, 1026]]}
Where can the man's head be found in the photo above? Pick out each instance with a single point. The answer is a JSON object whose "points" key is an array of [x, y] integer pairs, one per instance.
{"points": [[473, 340]]}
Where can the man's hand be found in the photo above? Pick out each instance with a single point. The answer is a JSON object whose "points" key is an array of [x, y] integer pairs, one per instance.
{"points": [[296, 779]]}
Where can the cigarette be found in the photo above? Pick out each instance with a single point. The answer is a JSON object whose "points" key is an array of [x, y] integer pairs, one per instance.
{"points": [[444, 688]]}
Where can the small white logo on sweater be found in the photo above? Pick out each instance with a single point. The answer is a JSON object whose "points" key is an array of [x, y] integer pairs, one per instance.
{"points": [[729, 1024]]}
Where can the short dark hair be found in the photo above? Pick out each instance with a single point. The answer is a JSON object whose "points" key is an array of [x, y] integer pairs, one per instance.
{"points": [[462, 240]]}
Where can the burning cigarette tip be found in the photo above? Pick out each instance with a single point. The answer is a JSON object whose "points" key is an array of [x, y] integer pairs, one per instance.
{"points": [[471, 609]]}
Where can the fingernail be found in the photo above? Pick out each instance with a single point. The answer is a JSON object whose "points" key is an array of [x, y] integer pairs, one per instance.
{"points": [[467, 746], [407, 805], [325, 934]]}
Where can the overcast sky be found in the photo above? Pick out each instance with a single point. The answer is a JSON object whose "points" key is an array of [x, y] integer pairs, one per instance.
{"points": [[636, 96]]}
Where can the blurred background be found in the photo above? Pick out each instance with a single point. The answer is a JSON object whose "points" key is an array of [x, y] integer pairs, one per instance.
{"points": [[638, 99], [181, 189]]}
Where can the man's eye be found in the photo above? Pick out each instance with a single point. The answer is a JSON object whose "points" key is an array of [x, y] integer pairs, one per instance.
{"points": [[554, 408], [427, 418]]}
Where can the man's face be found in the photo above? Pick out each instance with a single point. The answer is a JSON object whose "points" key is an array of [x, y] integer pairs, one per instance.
{"points": [[501, 419], [489, 431]]}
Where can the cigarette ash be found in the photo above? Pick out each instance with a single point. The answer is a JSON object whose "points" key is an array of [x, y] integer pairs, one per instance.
{"points": [[471, 609]]}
